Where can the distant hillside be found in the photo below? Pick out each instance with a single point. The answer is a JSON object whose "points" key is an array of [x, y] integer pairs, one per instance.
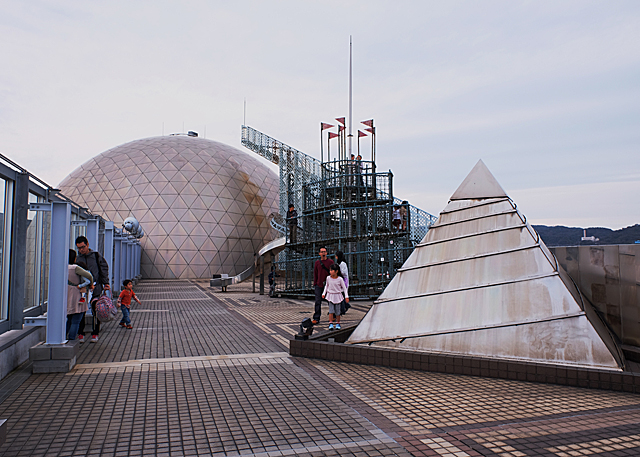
{"points": [[570, 236]]}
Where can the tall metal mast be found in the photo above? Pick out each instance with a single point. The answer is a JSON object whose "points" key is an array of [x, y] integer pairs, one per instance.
{"points": [[350, 101]]}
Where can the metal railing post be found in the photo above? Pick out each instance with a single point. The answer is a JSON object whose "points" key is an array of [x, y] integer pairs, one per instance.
{"points": [[18, 250], [123, 259], [108, 249], [117, 262], [58, 272]]}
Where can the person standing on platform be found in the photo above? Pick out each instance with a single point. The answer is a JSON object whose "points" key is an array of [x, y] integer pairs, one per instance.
{"points": [[359, 170], [344, 269], [335, 292], [292, 222], [79, 278], [352, 169], [320, 273], [99, 269], [397, 218], [403, 215]]}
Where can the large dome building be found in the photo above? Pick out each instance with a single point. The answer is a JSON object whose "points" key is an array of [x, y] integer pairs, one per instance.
{"points": [[204, 206]]}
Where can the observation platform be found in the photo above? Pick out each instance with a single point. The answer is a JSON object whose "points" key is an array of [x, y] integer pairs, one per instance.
{"points": [[208, 373]]}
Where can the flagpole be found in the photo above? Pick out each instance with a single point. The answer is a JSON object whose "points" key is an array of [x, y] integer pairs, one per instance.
{"points": [[338, 148], [350, 98], [373, 148], [321, 152], [340, 133], [344, 144]]}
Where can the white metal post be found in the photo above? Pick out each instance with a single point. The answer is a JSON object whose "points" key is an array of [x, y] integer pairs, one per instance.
{"points": [[138, 256], [123, 260], [129, 259], [117, 259], [58, 272], [108, 249]]}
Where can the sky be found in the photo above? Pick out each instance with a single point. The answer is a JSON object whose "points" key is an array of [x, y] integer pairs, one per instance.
{"points": [[546, 93]]}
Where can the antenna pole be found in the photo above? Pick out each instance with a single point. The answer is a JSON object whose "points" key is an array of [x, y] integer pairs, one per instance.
{"points": [[244, 113], [321, 152], [350, 99]]}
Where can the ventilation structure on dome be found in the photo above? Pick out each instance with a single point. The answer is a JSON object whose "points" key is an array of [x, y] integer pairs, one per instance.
{"points": [[483, 283]]}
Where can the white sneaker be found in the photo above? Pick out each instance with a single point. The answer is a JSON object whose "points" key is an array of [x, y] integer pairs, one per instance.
{"points": [[94, 338]]}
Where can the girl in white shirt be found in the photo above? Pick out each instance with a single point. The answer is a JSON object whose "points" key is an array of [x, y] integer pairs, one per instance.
{"points": [[333, 290]]}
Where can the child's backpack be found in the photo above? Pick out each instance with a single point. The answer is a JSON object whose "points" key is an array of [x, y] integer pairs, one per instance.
{"points": [[106, 311]]}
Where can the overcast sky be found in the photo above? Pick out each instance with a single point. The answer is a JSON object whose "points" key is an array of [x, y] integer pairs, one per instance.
{"points": [[547, 93]]}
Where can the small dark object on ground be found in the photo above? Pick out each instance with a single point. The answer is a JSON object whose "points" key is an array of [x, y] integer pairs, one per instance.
{"points": [[306, 329]]}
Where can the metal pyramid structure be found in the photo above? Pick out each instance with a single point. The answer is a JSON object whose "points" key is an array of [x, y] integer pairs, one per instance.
{"points": [[483, 283]]}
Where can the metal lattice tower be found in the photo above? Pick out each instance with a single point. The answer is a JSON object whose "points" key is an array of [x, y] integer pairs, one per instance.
{"points": [[342, 205], [296, 168]]}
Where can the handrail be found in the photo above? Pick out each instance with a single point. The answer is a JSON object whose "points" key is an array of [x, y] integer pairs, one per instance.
{"points": [[472, 329], [280, 228], [462, 289], [492, 201]]}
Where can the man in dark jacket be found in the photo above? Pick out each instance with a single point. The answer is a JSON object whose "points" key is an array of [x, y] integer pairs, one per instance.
{"points": [[292, 222], [320, 273], [99, 269]]}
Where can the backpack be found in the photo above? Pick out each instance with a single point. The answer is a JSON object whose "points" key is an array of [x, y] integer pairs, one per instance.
{"points": [[106, 311]]}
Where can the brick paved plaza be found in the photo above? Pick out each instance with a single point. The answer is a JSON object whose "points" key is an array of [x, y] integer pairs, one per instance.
{"points": [[208, 373]]}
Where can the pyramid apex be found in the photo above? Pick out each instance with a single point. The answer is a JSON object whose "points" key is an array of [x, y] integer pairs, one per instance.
{"points": [[479, 184]]}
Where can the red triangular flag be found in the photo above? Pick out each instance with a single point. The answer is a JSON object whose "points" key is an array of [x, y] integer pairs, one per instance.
{"points": [[368, 123], [361, 134], [341, 120], [332, 135], [324, 126], [372, 130], [340, 128]]}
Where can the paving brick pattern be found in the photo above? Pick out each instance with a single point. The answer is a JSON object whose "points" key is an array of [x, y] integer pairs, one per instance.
{"points": [[208, 373]]}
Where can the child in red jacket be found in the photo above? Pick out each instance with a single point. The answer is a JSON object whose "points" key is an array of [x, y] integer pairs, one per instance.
{"points": [[125, 300]]}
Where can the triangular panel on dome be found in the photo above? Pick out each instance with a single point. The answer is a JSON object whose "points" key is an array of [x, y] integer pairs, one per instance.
{"points": [[188, 273], [189, 245], [178, 259], [199, 240], [199, 270], [483, 283], [190, 218]]}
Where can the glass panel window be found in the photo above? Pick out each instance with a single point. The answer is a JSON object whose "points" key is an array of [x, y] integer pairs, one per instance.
{"points": [[44, 264], [6, 191], [34, 255], [76, 231]]}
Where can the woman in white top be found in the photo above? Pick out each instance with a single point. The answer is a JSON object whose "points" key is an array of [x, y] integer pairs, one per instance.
{"points": [[344, 270], [333, 290]]}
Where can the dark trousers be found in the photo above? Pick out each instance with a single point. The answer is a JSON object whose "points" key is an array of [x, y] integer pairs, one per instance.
{"points": [[73, 321], [96, 322], [293, 234], [318, 308]]}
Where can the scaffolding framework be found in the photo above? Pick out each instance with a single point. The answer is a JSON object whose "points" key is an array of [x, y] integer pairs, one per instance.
{"points": [[342, 205]]}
